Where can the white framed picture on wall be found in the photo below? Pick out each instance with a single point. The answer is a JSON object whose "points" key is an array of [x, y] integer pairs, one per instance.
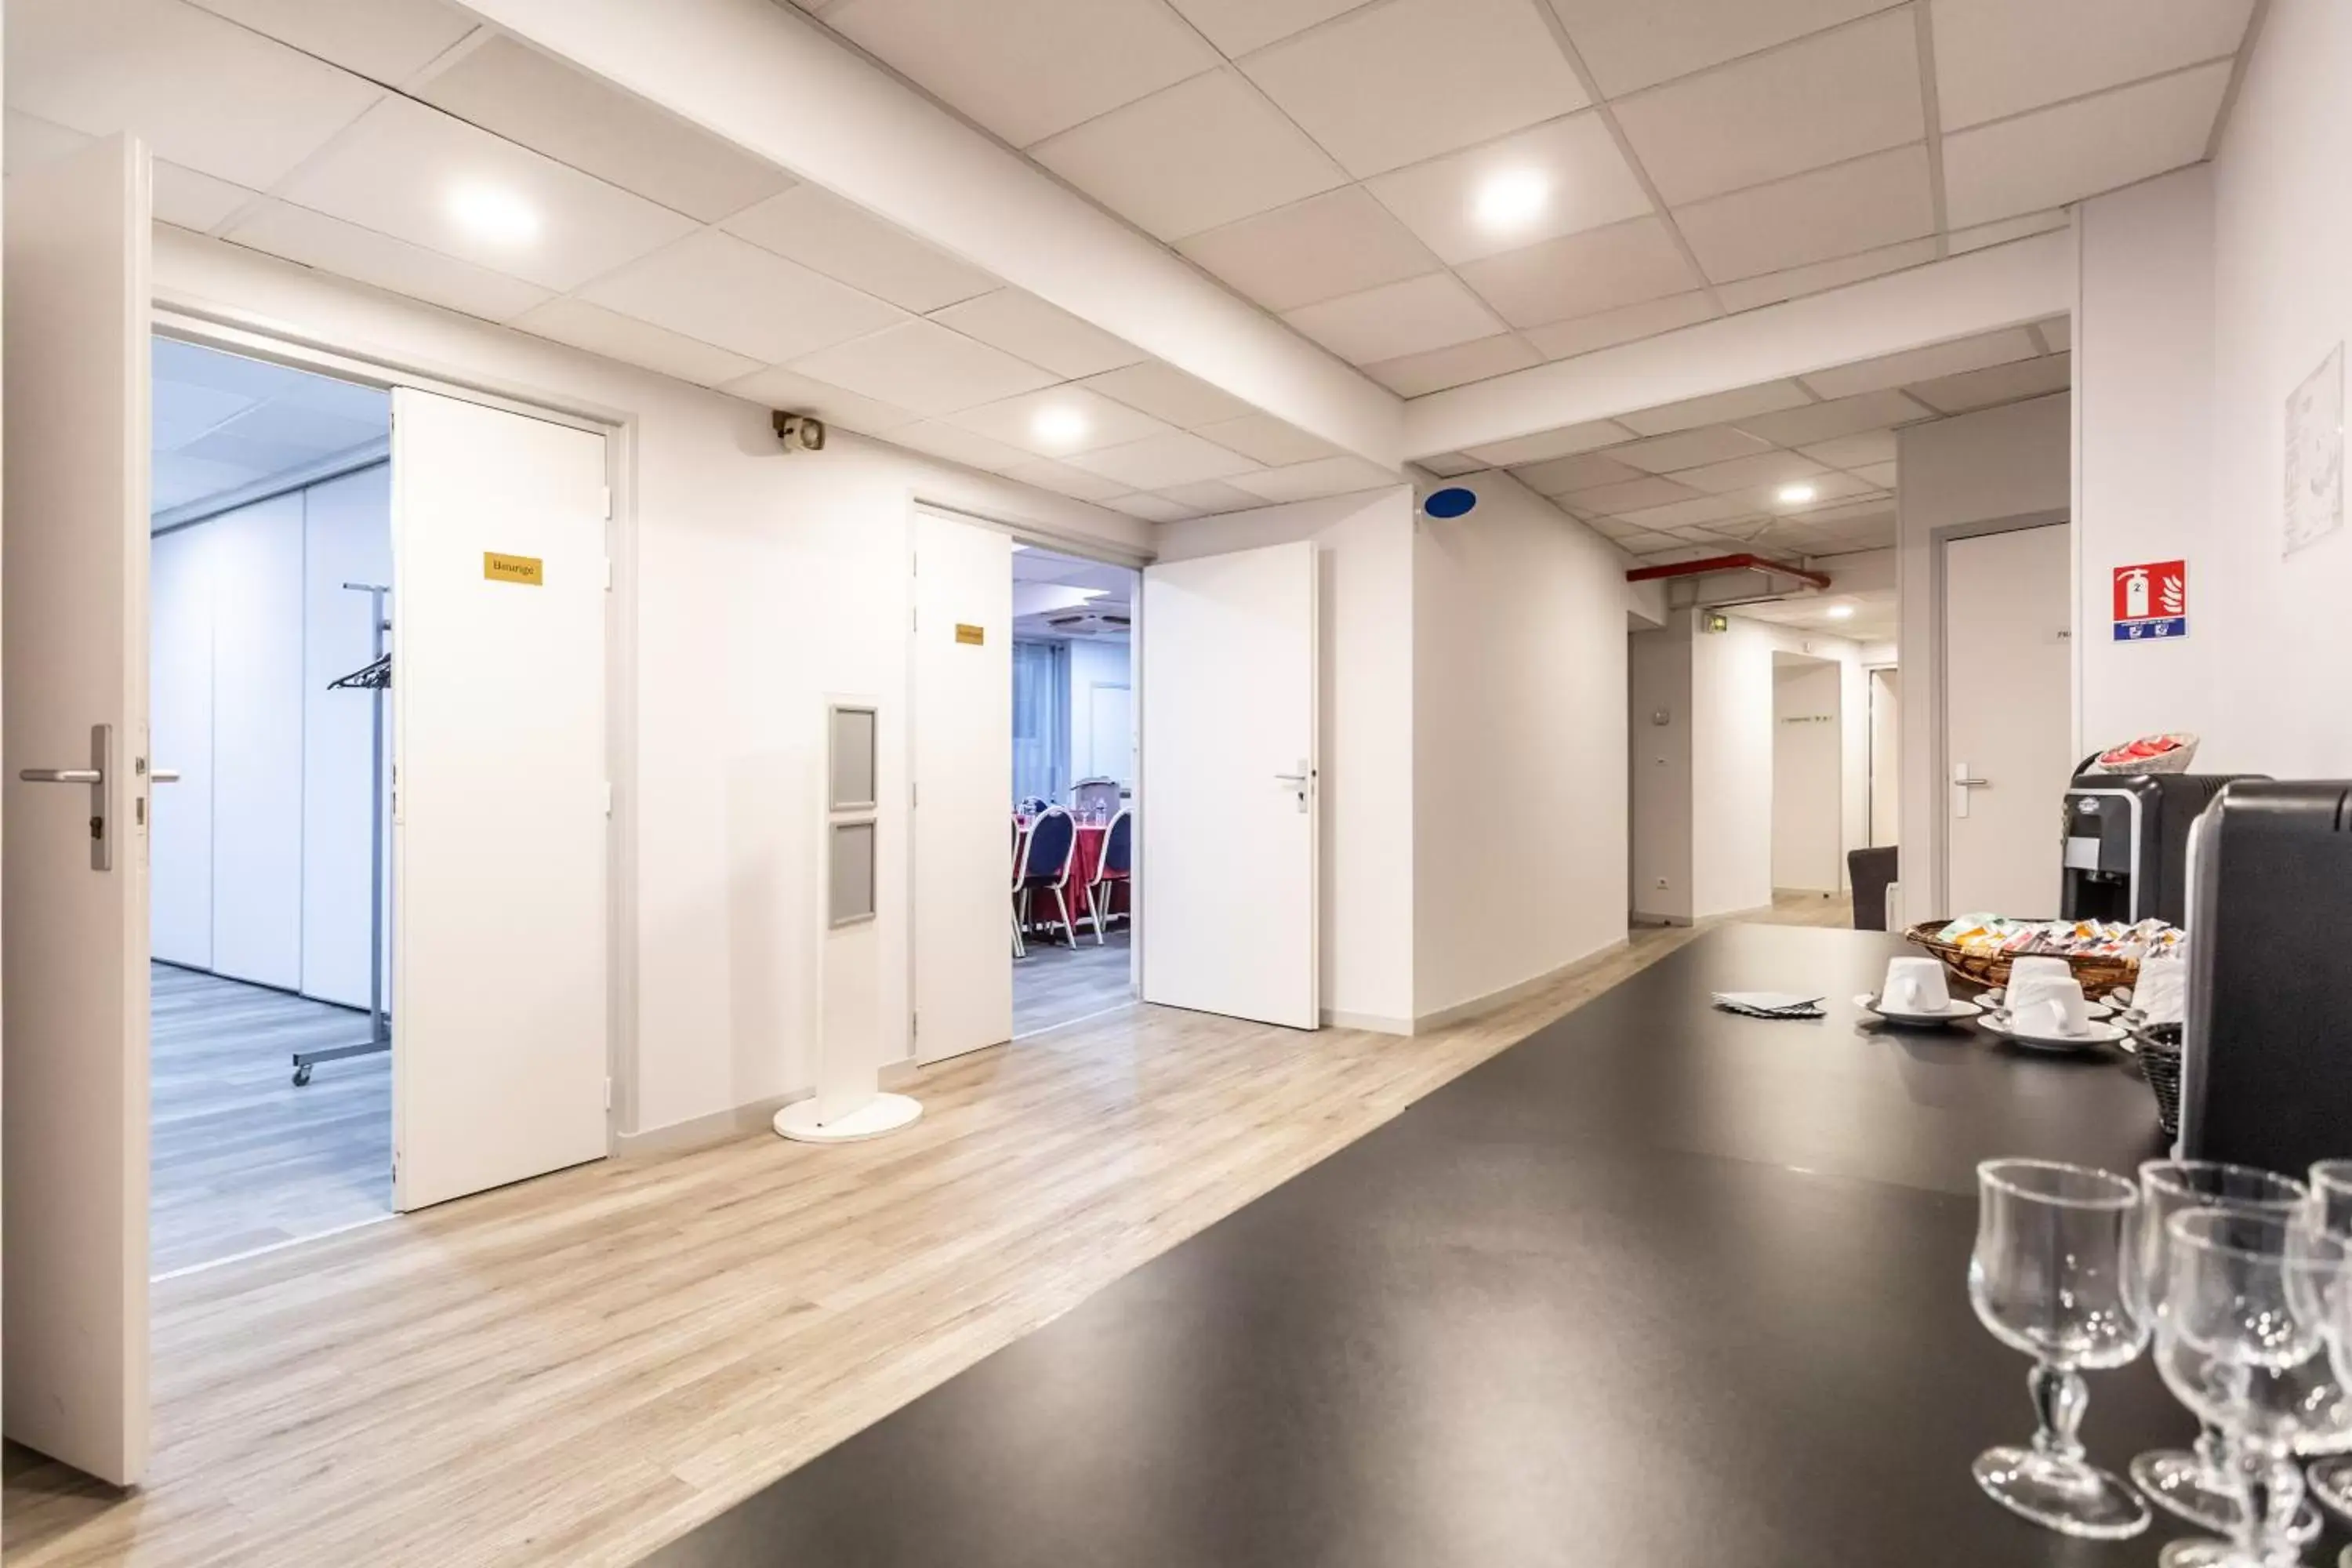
{"points": [[2315, 454]]}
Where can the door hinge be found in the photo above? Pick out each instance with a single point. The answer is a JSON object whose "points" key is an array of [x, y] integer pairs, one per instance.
{"points": [[608, 798], [913, 1024], [608, 503], [608, 574], [608, 1094], [914, 793]]}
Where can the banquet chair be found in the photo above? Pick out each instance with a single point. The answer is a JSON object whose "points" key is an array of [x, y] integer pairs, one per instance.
{"points": [[1019, 854], [1045, 864], [1113, 870]]}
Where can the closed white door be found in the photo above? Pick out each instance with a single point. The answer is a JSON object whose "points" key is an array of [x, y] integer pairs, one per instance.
{"points": [[1230, 801], [961, 764], [2008, 740], [1886, 760], [499, 820], [75, 1333]]}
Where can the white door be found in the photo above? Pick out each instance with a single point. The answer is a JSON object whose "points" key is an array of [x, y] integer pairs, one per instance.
{"points": [[1110, 733], [2009, 742], [1886, 760], [76, 852], [961, 764], [1229, 803], [499, 820]]}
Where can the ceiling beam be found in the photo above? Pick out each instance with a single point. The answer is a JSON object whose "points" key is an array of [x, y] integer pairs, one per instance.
{"points": [[2005, 286], [767, 78]]}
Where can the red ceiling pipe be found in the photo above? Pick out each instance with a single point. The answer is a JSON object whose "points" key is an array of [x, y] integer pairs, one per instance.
{"points": [[1742, 562]]}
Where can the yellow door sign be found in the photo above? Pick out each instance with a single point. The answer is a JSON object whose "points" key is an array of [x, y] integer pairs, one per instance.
{"points": [[525, 569], [968, 632]]}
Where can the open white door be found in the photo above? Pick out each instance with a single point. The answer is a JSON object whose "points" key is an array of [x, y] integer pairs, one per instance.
{"points": [[499, 820], [961, 764], [1230, 799], [76, 811]]}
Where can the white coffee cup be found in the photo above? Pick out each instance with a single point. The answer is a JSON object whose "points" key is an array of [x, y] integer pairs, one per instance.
{"points": [[2046, 1006], [2021, 969], [2162, 994], [1914, 985]]}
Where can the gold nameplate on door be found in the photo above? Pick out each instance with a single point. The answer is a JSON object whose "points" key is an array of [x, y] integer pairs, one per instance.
{"points": [[525, 569], [968, 632]]}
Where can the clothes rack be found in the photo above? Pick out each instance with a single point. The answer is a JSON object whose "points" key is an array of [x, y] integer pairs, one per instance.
{"points": [[375, 678]]}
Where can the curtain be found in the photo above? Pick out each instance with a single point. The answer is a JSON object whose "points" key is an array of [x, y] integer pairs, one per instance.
{"points": [[1040, 721]]}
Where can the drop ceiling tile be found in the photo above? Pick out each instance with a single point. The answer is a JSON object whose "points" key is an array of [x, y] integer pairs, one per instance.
{"points": [[849, 244], [364, 256], [1214, 496], [1996, 384], [1166, 393], [1238, 27], [1690, 449], [1191, 157], [1834, 96], [793, 392], [203, 91], [923, 367], [1588, 181], [1438, 369], [1839, 416], [1737, 474], [719, 290], [385, 40], [397, 169], [1885, 475], [1064, 480], [1028, 328], [958, 445], [1099, 422], [1960, 241], [1715, 409], [1851, 452], [1452, 464], [1028, 71], [1582, 274], [1699, 511], [184, 411], [1920, 364], [1584, 471], [1152, 508], [1267, 439], [2000, 58], [632, 341], [1612, 528], [1606, 329], [1647, 544], [2057, 155], [2057, 333], [175, 480], [1827, 487], [1771, 288], [1392, 84], [1397, 319], [1632, 495], [281, 434], [1309, 482], [1880, 200], [186, 199], [1566, 441], [1629, 47], [1340, 243], [1179, 459]]}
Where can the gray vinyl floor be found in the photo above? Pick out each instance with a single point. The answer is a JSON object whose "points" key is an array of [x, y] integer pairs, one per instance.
{"points": [[1057, 985], [242, 1158]]}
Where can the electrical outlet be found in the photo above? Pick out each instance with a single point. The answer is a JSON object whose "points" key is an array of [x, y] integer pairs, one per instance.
{"points": [[1662, 883]]}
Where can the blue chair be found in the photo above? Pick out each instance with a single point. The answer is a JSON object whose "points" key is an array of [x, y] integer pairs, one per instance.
{"points": [[1046, 859], [1115, 870]]}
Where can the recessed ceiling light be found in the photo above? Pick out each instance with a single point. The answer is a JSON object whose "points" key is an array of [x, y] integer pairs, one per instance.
{"points": [[1513, 199], [1796, 495], [1840, 612], [1059, 427], [497, 216]]}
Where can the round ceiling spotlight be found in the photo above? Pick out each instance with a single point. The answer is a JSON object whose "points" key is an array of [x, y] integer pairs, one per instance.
{"points": [[1512, 200]]}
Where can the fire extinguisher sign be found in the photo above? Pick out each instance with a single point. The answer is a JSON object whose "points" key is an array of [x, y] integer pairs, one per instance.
{"points": [[2152, 601]]}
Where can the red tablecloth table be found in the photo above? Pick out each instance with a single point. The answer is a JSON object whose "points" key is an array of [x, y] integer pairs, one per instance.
{"points": [[1083, 858]]}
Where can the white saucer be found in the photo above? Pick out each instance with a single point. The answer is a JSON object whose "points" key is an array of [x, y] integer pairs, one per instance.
{"points": [[2097, 1035], [2096, 1009], [1955, 1011]]}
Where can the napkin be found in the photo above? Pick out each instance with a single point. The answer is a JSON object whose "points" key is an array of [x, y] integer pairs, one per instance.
{"points": [[1769, 1003]]}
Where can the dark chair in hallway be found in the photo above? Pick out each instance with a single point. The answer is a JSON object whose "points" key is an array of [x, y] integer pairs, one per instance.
{"points": [[1871, 872]]}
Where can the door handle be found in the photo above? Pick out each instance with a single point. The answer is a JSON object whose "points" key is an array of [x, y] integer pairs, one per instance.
{"points": [[165, 775], [1292, 778], [101, 764], [61, 775], [1302, 781], [1973, 784]]}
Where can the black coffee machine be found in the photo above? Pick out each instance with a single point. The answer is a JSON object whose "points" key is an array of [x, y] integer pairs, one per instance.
{"points": [[2267, 1072], [2126, 844]]}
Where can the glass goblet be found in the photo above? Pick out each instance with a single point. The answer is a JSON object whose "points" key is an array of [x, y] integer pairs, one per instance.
{"points": [[2331, 1204], [2048, 1278], [2243, 1342], [2199, 1484]]}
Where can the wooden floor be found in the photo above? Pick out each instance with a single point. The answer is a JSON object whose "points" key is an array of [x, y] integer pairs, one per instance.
{"points": [[243, 1159], [574, 1370], [1055, 984]]}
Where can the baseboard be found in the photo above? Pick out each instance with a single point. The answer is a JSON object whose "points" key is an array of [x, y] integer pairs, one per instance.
{"points": [[1461, 1011], [1640, 918], [896, 1078], [1371, 1023], [702, 1131]]}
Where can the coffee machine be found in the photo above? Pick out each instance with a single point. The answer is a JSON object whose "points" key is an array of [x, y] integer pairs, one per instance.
{"points": [[2126, 844], [2266, 1078]]}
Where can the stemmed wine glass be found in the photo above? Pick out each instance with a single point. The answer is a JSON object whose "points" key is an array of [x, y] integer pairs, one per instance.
{"points": [[2198, 1484], [2048, 1278], [2241, 1343], [2331, 1206]]}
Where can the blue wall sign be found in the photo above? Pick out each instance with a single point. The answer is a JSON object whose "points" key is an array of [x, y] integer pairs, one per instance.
{"points": [[1451, 502]]}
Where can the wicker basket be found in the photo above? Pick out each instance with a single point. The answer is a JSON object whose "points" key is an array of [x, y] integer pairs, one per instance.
{"points": [[2099, 973], [2159, 1062]]}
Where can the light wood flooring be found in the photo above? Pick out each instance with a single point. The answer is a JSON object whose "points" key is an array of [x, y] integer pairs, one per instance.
{"points": [[572, 1370], [1055, 984], [242, 1158]]}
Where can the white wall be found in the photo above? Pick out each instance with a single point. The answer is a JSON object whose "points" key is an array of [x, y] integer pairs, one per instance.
{"points": [[1364, 549], [2207, 298], [1957, 473], [1659, 762], [751, 583], [1808, 777], [180, 722], [1520, 757], [1885, 781], [1104, 665]]}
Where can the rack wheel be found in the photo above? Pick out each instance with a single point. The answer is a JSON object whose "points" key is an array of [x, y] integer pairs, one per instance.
{"points": [[301, 1074]]}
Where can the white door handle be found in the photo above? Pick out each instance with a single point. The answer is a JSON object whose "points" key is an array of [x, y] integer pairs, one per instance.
{"points": [[1962, 782]]}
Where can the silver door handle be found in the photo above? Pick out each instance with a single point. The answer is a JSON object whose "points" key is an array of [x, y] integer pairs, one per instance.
{"points": [[165, 775], [1973, 784], [94, 777], [61, 775], [1291, 778]]}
